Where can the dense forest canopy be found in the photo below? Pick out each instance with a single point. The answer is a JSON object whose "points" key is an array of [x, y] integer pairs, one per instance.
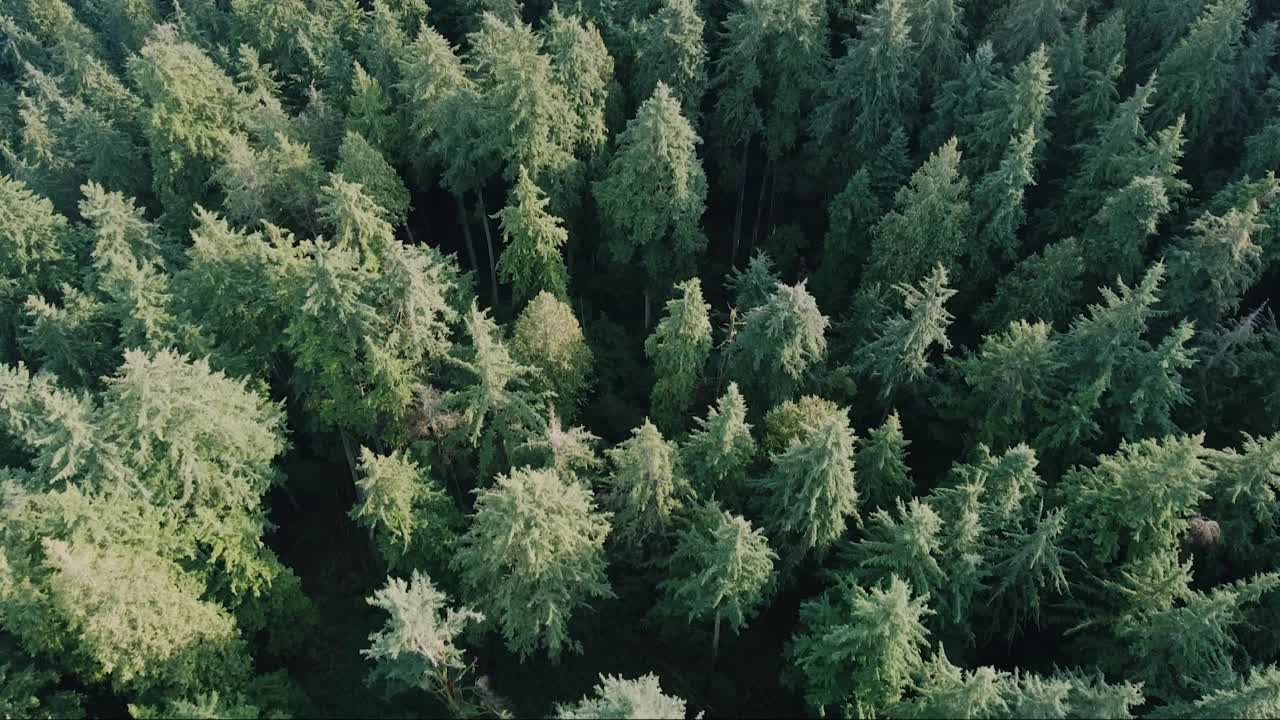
{"points": [[643, 358]]}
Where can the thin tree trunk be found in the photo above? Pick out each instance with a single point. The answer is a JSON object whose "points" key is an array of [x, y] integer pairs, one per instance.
{"points": [[755, 230], [773, 194], [715, 642], [351, 457], [488, 240], [742, 192], [646, 310], [466, 233]]}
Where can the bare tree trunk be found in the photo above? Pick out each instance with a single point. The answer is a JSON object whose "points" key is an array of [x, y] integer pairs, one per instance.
{"points": [[351, 457], [715, 642], [773, 194], [742, 192], [646, 310], [755, 230], [466, 233], [488, 240]]}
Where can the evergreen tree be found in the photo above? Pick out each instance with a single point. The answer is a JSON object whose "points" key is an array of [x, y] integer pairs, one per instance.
{"points": [[929, 223], [1025, 24], [653, 193], [998, 205], [1045, 286], [809, 494], [1199, 71], [39, 257], [1245, 697], [850, 218], [871, 87], [547, 336], [906, 547], [720, 570], [882, 465], [1210, 271], [411, 518], [679, 347], [779, 341], [616, 697], [899, 352], [582, 66], [646, 487], [753, 286], [1012, 380], [944, 690], [716, 454], [531, 261], [667, 47], [533, 555], [362, 164], [858, 647], [417, 647], [1015, 105]]}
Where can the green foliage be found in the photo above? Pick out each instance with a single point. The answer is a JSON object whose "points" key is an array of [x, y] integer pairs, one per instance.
{"points": [[619, 699], [882, 465], [779, 342], [716, 454], [720, 569], [412, 520], [679, 347], [531, 261], [646, 487], [899, 352], [809, 495], [858, 648], [361, 163], [929, 223], [654, 191], [532, 556], [668, 48], [547, 336]]}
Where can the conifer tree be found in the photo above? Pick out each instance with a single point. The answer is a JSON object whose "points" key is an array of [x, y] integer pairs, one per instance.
{"points": [[411, 518], [752, 286], [547, 336], [882, 465], [899, 352], [1012, 380], [1245, 697], [929, 223], [944, 690], [1027, 567], [809, 494], [679, 347], [1199, 71], [1210, 271], [531, 262], [646, 487], [1045, 286], [907, 546], [938, 31], [871, 86], [653, 194], [960, 100], [998, 205], [858, 647], [718, 451], [40, 254], [1015, 105], [362, 164], [369, 112], [720, 570], [779, 341], [616, 697], [1025, 24], [417, 646], [850, 217], [582, 66], [533, 555], [1244, 491], [668, 47]]}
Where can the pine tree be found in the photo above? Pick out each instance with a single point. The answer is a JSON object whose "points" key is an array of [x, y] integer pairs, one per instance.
{"points": [[582, 67], [533, 555], [858, 647], [410, 517], [938, 31], [1025, 24], [547, 336], [1118, 234], [944, 690], [1027, 566], [752, 287], [1015, 105], [1210, 271], [907, 547], [720, 570], [1011, 381], [40, 253], [780, 341], [716, 454], [667, 47], [871, 87], [654, 207], [929, 223], [531, 262], [369, 113], [1245, 697], [1045, 286], [417, 646], [810, 494], [362, 164], [679, 347], [646, 487], [960, 100], [1199, 71], [1136, 502], [1244, 491], [899, 352], [616, 697], [882, 465], [998, 206]]}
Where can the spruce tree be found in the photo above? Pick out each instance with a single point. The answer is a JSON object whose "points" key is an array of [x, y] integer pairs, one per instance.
{"points": [[646, 488], [899, 352], [882, 465], [720, 448], [858, 647], [668, 47], [547, 336], [531, 261], [617, 697], [653, 194], [779, 341], [533, 555], [679, 347], [929, 223]]}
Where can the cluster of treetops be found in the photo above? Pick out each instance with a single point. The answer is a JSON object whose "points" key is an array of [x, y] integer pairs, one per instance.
{"points": [[929, 337]]}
